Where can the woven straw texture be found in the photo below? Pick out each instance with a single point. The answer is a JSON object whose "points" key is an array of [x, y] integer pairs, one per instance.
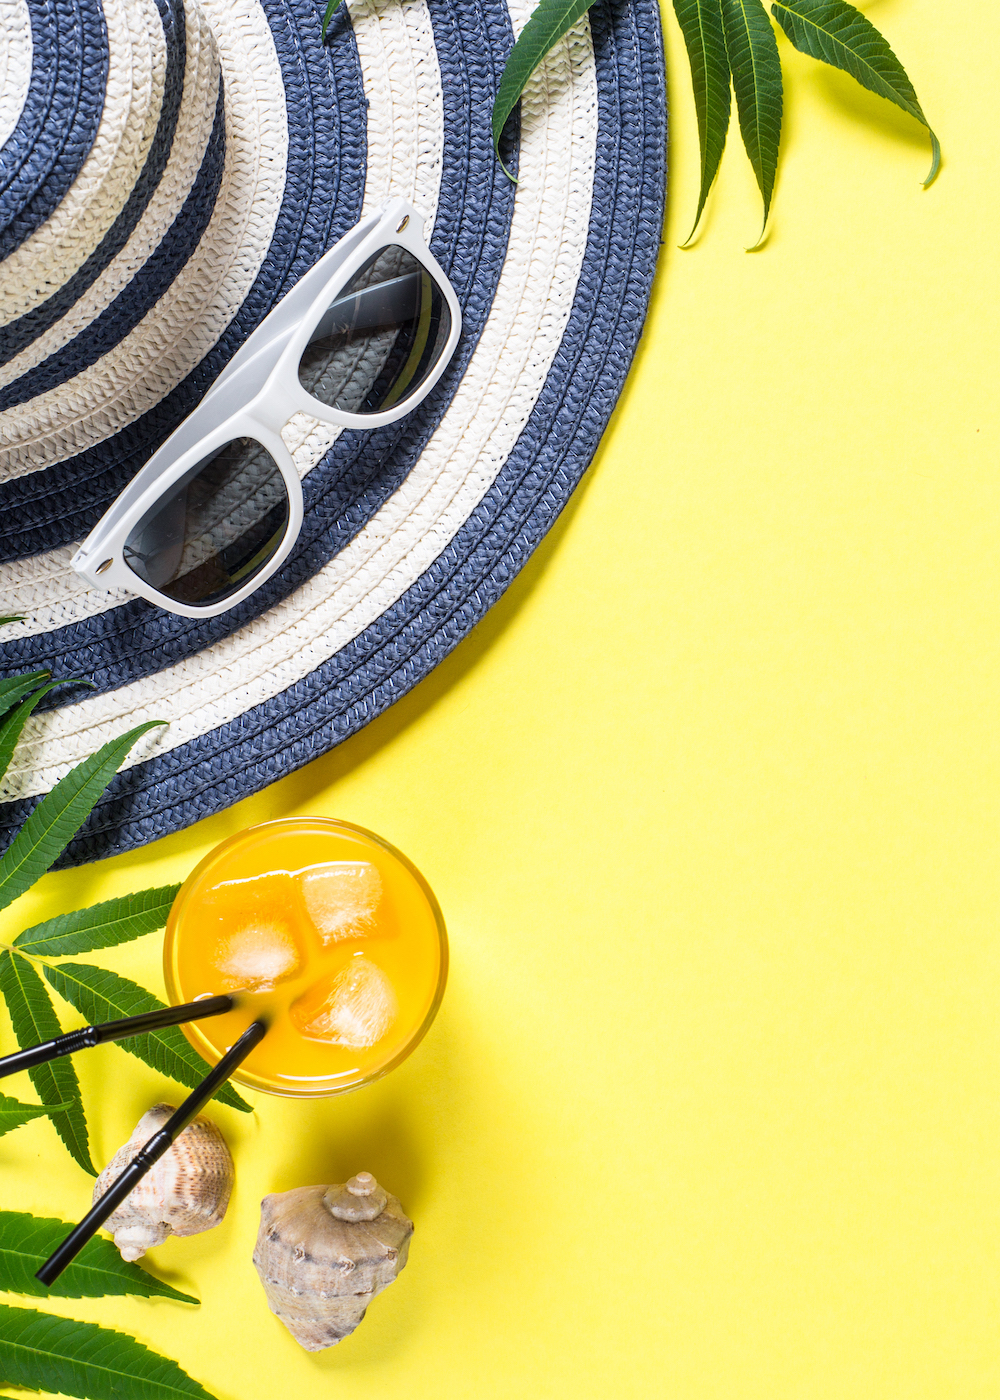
{"points": [[168, 170]]}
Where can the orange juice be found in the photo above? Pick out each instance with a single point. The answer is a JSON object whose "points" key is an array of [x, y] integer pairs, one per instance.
{"points": [[324, 931]]}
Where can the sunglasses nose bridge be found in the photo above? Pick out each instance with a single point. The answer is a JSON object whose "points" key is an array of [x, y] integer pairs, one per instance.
{"points": [[270, 410]]}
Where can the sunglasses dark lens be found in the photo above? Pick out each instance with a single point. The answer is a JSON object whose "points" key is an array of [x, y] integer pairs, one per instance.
{"points": [[216, 529], [380, 338]]}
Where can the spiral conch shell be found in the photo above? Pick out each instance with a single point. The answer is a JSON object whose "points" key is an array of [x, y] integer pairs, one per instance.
{"points": [[187, 1191], [323, 1252]]}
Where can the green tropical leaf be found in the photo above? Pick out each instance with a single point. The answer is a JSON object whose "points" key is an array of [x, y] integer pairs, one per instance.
{"points": [[333, 6], [60, 814], [100, 926], [701, 25], [12, 617], [42, 1352], [756, 70], [838, 34], [34, 1020], [12, 725], [101, 995], [98, 1271], [14, 688], [550, 20], [13, 1114]]}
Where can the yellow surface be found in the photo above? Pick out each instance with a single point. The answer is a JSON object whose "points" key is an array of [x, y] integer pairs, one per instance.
{"points": [[710, 802]]}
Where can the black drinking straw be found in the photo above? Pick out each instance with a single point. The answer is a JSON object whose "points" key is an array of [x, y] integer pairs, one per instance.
{"points": [[82, 1039], [148, 1155]]}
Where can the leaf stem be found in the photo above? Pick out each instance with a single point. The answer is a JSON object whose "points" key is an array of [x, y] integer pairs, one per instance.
{"points": [[31, 957]]}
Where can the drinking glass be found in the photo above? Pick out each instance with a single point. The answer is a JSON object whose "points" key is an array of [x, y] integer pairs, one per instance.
{"points": [[326, 932]]}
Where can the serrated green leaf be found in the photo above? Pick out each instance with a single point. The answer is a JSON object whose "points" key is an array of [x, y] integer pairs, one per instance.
{"points": [[34, 1020], [549, 21], [42, 1352], [15, 688], [705, 40], [60, 814], [333, 6], [756, 70], [101, 995], [838, 34], [12, 724], [98, 1271], [101, 925], [14, 1114]]}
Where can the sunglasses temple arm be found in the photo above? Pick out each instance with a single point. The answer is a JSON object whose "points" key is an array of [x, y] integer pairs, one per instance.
{"points": [[148, 1156], [87, 1036]]}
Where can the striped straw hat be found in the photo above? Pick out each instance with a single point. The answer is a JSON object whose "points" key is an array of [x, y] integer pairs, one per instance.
{"points": [[168, 170]]}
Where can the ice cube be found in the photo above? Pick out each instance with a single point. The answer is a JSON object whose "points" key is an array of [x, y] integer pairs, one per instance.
{"points": [[355, 1007], [261, 953], [254, 893], [341, 897]]}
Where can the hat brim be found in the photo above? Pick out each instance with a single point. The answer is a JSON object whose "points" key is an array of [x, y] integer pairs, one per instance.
{"points": [[414, 531]]}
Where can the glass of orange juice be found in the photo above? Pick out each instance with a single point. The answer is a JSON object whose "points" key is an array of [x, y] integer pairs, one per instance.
{"points": [[324, 931]]}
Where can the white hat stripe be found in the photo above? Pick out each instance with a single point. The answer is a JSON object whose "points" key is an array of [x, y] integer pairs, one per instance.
{"points": [[15, 63]]}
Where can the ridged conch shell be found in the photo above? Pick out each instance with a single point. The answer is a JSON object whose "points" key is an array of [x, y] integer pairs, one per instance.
{"points": [[187, 1190], [323, 1252]]}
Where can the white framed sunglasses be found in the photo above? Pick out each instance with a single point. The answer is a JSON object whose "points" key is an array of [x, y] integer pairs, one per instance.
{"points": [[360, 341]]}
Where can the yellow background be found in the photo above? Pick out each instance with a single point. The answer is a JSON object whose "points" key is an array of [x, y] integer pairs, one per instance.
{"points": [[710, 802]]}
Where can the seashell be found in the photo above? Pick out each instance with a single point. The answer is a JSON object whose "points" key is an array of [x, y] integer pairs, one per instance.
{"points": [[324, 1252], [187, 1190]]}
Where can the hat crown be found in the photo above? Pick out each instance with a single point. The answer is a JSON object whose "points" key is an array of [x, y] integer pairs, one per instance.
{"points": [[109, 177]]}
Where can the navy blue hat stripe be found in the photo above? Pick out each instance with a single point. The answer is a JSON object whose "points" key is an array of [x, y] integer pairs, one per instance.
{"points": [[114, 323], [68, 126], [20, 333], [326, 165], [35, 112], [472, 47]]}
